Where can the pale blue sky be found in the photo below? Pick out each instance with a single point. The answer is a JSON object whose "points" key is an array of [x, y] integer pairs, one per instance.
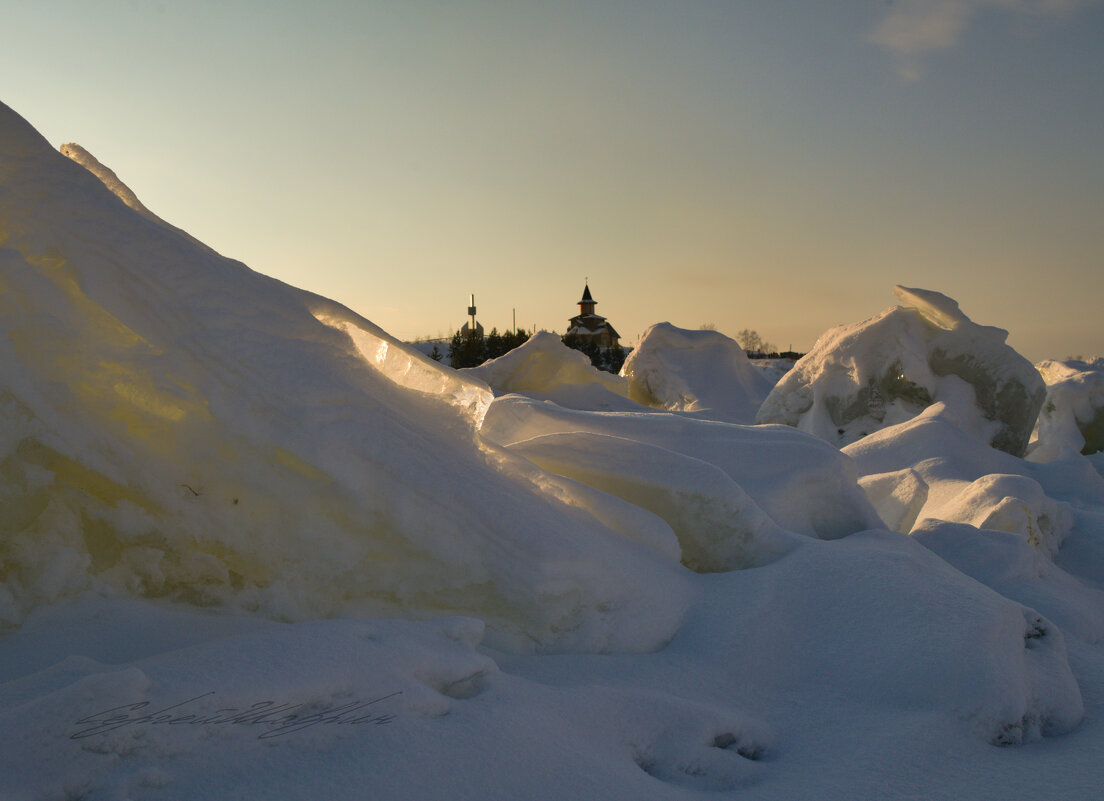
{"points": [[772, 165]]}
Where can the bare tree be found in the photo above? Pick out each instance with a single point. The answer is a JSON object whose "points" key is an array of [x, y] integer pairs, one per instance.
{"points": [[750, 340], [753, 343]]}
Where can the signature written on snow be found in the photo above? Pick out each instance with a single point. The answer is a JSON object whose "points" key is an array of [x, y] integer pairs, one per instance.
{"points": [[277, 719]]}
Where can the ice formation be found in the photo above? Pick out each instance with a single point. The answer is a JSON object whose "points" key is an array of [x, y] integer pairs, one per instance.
{"points": [[863, 377], [1072, 418], [177, 425], [110, 180], [701, 372]]}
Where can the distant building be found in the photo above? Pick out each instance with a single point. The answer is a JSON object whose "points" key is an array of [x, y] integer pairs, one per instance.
{"points": [[591, 327]]}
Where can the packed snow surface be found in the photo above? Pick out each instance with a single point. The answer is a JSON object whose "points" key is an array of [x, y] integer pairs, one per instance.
{"points": [[253, 546]]}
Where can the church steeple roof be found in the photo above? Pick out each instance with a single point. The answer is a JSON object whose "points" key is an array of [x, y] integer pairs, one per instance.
{"points": [[593, 327]]}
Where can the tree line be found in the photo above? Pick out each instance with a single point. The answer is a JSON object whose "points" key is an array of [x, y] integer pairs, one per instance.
{"points": [[472, 350]]}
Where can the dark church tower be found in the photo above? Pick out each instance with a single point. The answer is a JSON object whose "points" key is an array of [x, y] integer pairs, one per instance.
{"points": [[592, 327]]}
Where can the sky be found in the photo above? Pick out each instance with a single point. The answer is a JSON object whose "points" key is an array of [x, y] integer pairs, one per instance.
{"points": [[776, 166]]}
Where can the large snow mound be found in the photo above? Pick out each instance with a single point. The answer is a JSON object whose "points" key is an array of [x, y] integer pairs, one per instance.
{"points": [[543, 367], [174, 424], [1072, 418], [863, 377], [701, 372]]}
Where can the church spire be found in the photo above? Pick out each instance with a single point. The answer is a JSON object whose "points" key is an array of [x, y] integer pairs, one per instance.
{"points": [[587, 304]]}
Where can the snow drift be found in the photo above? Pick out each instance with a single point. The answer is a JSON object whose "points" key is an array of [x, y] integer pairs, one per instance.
{"points": [[701, 372], [803, 484], [177, 425], [860, 378], [719, 527], [545, 368], [1029, 531]]}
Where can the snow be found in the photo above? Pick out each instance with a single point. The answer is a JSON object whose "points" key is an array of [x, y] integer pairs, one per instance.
{"points": [[773, 369], [862, 377], [719, 527], [253, 546], [802, 483], [701, 372], [110, 180], [1072, 417], [179, 426], [546, 369]]}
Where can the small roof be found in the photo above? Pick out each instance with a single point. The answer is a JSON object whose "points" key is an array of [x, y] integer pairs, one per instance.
{"points": [[586, 294]]}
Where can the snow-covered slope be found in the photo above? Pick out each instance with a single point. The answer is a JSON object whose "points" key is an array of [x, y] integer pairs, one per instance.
{"points": [[109, 179], [177, 425]]}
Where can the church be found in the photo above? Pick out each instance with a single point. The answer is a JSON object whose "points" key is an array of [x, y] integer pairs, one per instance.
{"points": [[591, 327]]}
